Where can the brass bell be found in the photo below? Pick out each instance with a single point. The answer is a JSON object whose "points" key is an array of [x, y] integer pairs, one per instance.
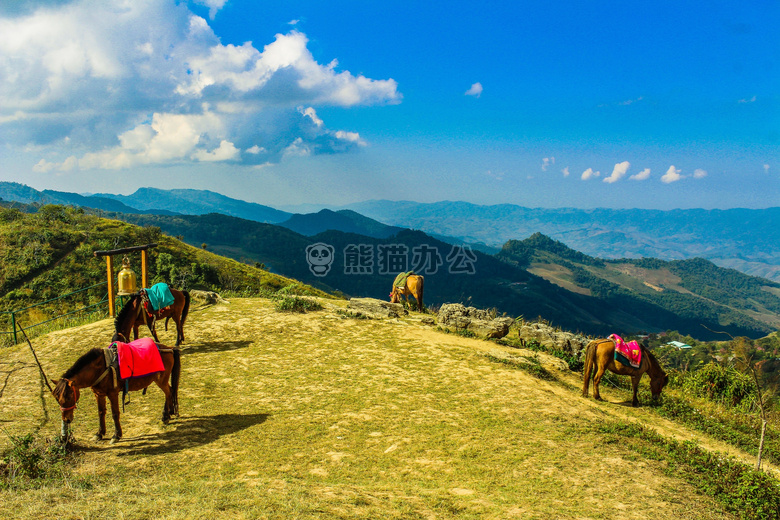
{"points": [[126, 279]]}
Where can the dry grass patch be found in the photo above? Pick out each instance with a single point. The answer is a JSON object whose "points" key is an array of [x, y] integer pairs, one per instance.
{"points": [[320, 416]]}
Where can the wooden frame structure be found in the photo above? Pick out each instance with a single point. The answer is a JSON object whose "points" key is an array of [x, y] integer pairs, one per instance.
{"points": [[110, 270]]}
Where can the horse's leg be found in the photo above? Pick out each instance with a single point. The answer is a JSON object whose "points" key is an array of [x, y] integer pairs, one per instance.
{"points": [[179, 329], [113, 397], [135, 332], [600, 370], [101, 402], [153, 329], [635, 384], [162, 382]]}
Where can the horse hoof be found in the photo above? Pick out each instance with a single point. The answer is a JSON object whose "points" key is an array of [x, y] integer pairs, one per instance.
{"points": [[97, 437], [114, 440]]}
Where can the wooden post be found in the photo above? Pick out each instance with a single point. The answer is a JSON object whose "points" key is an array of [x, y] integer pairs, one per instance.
{"points": [[144, 280], [111, 296]]}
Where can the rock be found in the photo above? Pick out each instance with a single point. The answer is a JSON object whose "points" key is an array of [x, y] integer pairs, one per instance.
{"points": [[454, 316], [553, 339], [377, 309], [208, 297], [428, 320]]}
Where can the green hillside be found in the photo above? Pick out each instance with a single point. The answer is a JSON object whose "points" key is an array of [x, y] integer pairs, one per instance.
{"points": [[47, 254], [505, 281], [691, 289]]}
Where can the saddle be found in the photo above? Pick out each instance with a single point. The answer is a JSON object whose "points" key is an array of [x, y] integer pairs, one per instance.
{"points": [[629, 354]]}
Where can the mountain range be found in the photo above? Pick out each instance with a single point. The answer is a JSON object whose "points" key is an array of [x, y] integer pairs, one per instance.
{"points": [[536, 276]]}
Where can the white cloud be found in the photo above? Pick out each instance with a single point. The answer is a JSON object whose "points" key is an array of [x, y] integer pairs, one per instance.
{"points": [[565, 171], [671, 175], [149, 82], [698, 173], [766, 168], [589, 173], [641, 176], [475, 90], [618, 172], [226, 151], [546, 162], [751, 100], [213, 5]]}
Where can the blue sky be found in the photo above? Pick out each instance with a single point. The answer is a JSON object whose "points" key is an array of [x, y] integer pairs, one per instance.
{"points": [[542, 104]]}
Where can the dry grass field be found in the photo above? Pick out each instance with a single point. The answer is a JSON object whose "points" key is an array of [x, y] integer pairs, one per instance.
{"points": [[297, 416]]}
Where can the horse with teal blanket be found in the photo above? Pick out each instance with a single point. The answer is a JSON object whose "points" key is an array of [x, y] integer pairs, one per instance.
{"points": [[408, 284], [97, 370], [600, 354], [149, 305]]}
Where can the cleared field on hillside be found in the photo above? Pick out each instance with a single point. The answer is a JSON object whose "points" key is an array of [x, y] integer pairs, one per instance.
{"points": [[320, 416]]}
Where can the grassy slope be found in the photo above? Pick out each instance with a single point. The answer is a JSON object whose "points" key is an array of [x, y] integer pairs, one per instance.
{"points": [[317, 416]]}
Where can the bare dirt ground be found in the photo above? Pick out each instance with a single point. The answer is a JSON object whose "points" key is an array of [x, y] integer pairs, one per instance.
{"points": [[322, 416]]}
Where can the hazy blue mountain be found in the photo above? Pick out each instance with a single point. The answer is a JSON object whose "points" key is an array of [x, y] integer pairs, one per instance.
{"points": [[745, 239], [199, 202], [345, 220]]}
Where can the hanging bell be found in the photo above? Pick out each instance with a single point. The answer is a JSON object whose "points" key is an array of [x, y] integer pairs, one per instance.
{"points": [[126, 279]]}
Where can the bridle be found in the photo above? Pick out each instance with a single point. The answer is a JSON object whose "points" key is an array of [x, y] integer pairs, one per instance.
{"points": [[62, 409]]}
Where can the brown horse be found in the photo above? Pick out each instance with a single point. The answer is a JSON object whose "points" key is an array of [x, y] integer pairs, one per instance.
{"points": [[600, 354], [133, 315], [92, 371], [413, 287]]}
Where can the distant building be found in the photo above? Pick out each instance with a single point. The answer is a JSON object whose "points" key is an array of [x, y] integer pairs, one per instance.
{"points": [[678, 345]]}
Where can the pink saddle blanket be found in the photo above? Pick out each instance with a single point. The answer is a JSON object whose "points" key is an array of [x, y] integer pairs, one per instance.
{"points": [[138, 358], [631, 352]]}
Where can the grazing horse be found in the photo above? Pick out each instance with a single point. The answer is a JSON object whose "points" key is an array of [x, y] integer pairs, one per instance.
{"points": [[412, 287], [92, 371], [133, 315], [600, 354]]}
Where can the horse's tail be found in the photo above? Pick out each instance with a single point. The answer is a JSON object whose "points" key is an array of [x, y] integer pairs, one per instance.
{"points": [[590, 358], [183, 312], [420, 299], [175, 376], [186, 307]]}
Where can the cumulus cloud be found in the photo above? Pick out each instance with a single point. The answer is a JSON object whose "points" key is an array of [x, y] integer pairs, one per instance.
{"points": [[475, 90], [589, 173], [546, 162], [618, 172], [766, 168], [565, 172], [671, 175], [641, 176], [213, 5], [130, 83], [698, 173]]}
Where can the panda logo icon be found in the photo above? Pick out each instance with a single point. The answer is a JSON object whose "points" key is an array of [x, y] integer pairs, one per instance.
{"points": [[320, 258]]}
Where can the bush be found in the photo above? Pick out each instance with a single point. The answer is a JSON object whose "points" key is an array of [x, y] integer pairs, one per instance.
{"points": [[31, 462], [721, 384]]}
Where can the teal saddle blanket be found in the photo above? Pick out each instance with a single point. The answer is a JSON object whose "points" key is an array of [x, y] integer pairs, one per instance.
{"points": [[159, 296]]}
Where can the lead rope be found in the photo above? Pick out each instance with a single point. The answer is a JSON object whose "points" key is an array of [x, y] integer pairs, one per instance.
{"points": [[43, 374]]}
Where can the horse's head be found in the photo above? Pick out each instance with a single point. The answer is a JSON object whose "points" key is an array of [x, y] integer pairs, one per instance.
{"points": [[394, 297], [118, 336], [658, 383], [67, 395]]}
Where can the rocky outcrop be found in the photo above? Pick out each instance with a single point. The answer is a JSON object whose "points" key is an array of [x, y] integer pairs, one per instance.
{"points": [[455, 317], [377, 309], [207, 297], [552, 338]]}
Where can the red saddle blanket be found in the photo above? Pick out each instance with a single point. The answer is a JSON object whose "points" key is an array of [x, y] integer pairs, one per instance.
{"points": [[627, 353], [138, 358]]}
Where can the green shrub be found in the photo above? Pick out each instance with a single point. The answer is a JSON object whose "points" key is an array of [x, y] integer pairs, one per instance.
{"points": [[31, 462], [285, 303], [721, 384]]}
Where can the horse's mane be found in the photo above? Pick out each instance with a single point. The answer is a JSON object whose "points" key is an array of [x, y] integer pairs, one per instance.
{"points": [[82, 362], [646, 351], [125, 312]]}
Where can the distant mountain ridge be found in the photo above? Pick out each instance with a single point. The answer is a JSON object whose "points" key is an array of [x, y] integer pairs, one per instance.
{"points": [[745, 239], [198, 202]]}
